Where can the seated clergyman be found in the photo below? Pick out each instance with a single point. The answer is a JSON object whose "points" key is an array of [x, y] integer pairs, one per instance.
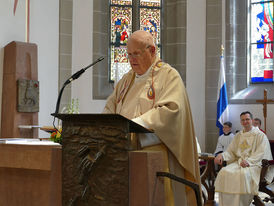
{"points": [[238, 182]]}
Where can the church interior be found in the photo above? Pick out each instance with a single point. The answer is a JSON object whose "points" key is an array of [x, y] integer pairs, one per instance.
{"points": [[65, 36]]}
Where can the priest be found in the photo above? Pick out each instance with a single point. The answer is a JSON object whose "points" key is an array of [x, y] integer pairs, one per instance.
{"points": [[238, 182], [152, 94]]}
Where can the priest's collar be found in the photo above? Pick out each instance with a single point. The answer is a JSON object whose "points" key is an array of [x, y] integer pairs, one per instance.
{"points": [[252, 128], [143, 76]]}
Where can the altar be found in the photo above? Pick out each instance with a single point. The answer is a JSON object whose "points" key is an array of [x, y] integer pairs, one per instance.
{"points": [[30, 173]]}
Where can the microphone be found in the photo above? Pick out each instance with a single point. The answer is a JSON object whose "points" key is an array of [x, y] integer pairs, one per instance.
{"points": [[73, 77], [80, 72]]}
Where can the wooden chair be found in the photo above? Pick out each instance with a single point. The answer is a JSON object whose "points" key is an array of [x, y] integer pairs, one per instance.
{"points": [[208, 175], [263, 185]]}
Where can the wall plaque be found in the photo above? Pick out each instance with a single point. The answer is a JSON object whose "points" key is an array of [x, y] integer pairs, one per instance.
{"points": [[28, 95]]}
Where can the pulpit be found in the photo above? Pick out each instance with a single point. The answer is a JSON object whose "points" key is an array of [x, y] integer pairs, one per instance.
{"points": [[95, 159]]}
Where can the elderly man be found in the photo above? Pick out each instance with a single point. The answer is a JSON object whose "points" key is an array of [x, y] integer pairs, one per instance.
{"points": [[153, 95], [238, 182]]}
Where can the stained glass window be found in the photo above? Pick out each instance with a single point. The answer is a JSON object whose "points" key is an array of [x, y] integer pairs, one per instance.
{"points": [[261, 41], [121, 27]]}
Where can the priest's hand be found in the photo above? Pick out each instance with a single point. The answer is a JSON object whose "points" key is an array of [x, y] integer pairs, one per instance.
{"points": [[244, 163], [219, 159]]}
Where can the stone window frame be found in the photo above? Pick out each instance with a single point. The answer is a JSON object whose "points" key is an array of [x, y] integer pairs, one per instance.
{"points": [[240, 90]]}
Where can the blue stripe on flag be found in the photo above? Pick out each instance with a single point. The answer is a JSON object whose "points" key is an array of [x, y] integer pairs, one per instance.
{"points": [[221, 106]]}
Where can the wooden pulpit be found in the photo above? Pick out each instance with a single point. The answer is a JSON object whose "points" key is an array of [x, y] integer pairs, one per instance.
{"points": [[95, 159]]}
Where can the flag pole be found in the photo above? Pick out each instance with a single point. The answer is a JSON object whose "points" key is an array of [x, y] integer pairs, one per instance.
{"points": [[222, 100]]}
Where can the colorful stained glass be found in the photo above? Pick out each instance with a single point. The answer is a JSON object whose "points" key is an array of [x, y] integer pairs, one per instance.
{"points": [[119, 62], [150, 20], [121, 12], [261, 22], [121, 2], [262, 42], [151, 3], [261, 68], [121, 29], [256, 1], [121, 24]]}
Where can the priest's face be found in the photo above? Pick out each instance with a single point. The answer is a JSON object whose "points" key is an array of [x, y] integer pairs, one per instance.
{"points": [[246, 122], [140, 56]]}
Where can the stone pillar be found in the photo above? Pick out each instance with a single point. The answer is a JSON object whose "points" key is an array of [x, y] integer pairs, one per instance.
{"points": [[20, 94]]}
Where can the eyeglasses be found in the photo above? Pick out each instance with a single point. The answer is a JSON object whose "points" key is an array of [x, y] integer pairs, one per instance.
{"points": [[137, 54]]}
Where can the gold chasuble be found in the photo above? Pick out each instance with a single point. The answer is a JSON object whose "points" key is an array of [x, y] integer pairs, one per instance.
{"points": [[159, 99]]}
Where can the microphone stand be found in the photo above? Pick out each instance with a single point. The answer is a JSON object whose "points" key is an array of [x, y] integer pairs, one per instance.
{"points": [[73, 77]]}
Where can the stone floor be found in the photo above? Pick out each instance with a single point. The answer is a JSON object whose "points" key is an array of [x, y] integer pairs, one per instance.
{"points": [[262, 195]]}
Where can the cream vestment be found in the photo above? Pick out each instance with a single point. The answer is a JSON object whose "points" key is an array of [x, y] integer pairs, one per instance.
{"points": [[252, 146], [158, 100]]}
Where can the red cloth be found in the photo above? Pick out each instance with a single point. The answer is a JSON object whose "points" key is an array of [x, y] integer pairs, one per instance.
{"points": [[268, 74]]}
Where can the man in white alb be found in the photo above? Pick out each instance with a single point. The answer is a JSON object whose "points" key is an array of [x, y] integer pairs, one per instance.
{"points": [[238, 182], [225, 139]]}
